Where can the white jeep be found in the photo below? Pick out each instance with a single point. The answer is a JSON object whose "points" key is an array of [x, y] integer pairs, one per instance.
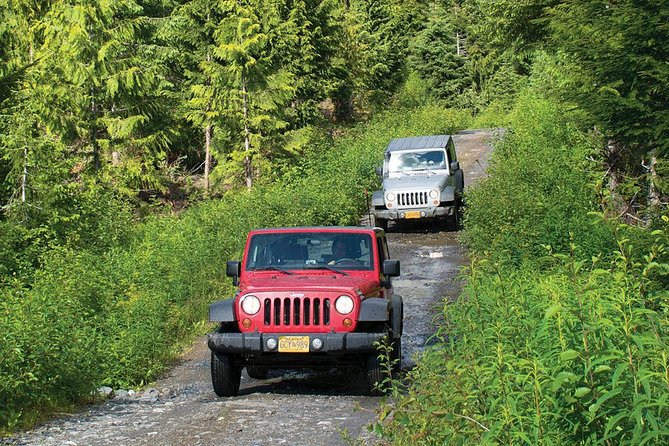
{"points": [[422, 180]]}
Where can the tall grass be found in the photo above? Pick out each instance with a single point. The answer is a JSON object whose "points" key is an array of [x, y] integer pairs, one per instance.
{"points": [[568, 352], [117, 315]]}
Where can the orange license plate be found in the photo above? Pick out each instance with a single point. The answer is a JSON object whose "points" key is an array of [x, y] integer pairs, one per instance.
{"points": [[412, 214], [294, 344]]}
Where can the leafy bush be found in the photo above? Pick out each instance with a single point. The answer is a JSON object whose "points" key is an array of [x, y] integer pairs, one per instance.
{"points": [[414, 92], [539, 189], [49, 342], [573, 352]]}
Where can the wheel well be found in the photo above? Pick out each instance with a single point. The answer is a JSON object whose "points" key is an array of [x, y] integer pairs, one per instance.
{"points": [[227, 327], [372, 326]]}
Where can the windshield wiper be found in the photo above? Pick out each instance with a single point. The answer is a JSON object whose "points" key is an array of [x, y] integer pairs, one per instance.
{"points": [[274, 268], [329, 268]]}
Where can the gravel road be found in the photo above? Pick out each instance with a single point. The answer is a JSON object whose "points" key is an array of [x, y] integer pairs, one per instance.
{"points": [[291, 408]]}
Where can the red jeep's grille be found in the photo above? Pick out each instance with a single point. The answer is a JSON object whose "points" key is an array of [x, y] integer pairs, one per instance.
{"points": [[289, 311], [407, 199]]}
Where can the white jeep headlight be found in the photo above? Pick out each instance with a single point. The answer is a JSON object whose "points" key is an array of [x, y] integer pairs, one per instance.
{"points": [[344, 304], [250, 304], [390, 196], [434, 193]]}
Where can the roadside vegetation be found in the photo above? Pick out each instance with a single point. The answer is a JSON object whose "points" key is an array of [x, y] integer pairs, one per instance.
{"points": [[560, 335], [133, 164]]}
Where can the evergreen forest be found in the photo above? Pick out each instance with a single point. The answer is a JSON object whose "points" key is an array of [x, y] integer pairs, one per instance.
{"points": [[141, 139]]}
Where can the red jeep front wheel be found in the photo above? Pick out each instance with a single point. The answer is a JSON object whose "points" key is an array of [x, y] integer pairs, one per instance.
{"points": [[374, 374], [225, 376]]}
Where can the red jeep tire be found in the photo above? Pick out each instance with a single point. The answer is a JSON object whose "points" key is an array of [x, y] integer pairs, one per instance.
{"points": [[225, 376], [374, 374]]}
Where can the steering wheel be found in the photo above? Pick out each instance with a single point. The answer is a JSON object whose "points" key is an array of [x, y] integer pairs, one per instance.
{"points": [[347, 262]]}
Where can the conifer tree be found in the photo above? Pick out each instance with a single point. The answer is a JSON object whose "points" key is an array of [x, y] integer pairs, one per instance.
{"points": [[202, 77], [386, 47], [618, 74], [305, 41], [22, 152], [257, 88], [439, 53], [101, 91]]}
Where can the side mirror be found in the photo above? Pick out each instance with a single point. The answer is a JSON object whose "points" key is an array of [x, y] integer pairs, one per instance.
{"points": [[455, 165], [379, 171], [391, 268], [233, 269]]}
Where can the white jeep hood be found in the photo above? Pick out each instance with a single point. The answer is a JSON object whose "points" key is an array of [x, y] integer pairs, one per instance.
{"points": [[415, 182]]}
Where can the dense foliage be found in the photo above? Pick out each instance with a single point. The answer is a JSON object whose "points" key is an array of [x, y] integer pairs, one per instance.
{"points": [[539, 189], [560, 335], [141, 95], [570, 352]]}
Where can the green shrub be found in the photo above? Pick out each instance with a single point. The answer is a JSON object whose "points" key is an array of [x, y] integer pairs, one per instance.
{"points": [[414, 92], [570, 353], [50, 349], [539, 189]]}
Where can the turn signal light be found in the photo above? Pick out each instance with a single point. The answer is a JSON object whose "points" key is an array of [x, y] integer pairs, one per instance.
{"points": [[347, 322], [246, 323]]}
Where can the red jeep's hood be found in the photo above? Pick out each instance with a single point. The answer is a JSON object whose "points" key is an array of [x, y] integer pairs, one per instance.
{"points": [[258, 282]]}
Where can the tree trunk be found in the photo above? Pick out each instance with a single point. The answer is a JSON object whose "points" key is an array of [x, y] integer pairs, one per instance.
{"points": [[94, 132], [457, 43], [653, 194], [207, 141], [248, 172], [207, 157], [24, 179], [616, 201], [94, 124]]}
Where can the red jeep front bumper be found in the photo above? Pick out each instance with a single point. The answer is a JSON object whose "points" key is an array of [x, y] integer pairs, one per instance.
{"points": [[332, 343]]}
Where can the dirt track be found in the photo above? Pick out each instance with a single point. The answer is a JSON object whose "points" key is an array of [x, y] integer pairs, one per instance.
{"points": [[292, 408]]}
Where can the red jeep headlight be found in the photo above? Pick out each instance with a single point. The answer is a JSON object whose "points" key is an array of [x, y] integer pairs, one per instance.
{"points": [[250, 304], [344, 304]]}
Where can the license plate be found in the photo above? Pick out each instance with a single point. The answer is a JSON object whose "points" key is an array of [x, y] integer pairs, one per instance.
{"points": [[412, 214], [294, 344]]}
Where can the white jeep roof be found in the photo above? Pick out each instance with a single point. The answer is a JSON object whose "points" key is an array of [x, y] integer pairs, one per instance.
{"points": [[419, 142]]}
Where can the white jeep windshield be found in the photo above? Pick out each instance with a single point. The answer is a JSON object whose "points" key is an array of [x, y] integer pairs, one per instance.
{"points": [[415, 160]]}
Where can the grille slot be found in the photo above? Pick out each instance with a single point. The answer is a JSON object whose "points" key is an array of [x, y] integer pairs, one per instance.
{"points": [[289, 312], [410, 199]]}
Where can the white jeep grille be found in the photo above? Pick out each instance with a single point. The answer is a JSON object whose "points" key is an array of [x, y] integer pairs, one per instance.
{"points": [[412, 199]]}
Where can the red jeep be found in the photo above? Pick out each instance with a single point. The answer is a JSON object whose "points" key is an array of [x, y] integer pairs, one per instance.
{"points": [[307, 297]]}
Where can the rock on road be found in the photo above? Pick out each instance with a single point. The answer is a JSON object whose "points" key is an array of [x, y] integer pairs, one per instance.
{"points": [[293, 407]]}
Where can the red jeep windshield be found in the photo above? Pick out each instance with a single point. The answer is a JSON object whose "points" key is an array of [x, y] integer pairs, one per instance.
{"points": [[305, 250]]}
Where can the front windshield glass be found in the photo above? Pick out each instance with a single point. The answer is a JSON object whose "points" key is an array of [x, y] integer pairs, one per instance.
{"points": [[412, 160], [310, 250]]}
